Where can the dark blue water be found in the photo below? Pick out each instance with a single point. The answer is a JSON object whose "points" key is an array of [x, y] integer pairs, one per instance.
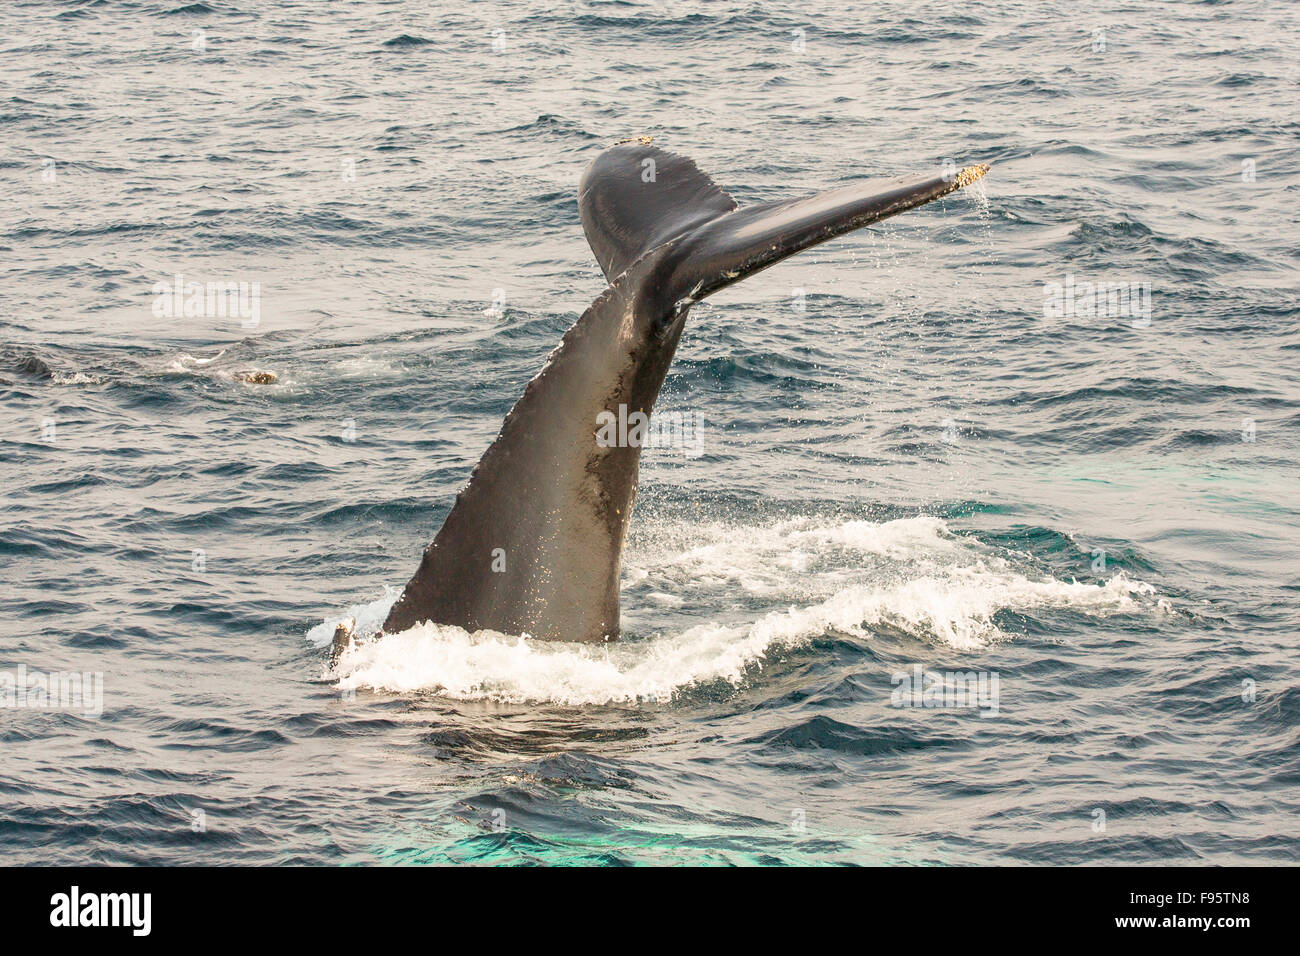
{"points": [[909, 457]]}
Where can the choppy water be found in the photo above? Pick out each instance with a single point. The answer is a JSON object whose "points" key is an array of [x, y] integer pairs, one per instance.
{"points": [[921, 466]]}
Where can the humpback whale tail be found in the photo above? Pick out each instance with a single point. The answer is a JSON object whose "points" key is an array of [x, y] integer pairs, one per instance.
{"points": [[533, 543]]}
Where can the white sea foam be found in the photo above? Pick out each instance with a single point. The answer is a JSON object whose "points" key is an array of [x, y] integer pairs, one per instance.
{"points": [[76, 378], [815, 577], [186, 360], [368, 619], [187, 364], [365, 368]]}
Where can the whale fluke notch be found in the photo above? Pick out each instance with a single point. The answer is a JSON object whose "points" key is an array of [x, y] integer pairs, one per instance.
{"points": [[533, 544]]}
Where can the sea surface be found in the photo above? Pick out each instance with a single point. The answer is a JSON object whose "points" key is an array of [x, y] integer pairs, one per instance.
{"points": [[917, 459]]}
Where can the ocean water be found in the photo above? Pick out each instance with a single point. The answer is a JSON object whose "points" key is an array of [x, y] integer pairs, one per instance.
{"points": [[914, 455]]}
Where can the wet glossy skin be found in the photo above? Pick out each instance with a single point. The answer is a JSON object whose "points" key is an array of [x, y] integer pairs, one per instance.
{"points": [[534, 542], [533, 545]]}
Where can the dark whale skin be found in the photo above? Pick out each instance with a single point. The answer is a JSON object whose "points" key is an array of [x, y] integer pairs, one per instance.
{"points": [[534, 542]]}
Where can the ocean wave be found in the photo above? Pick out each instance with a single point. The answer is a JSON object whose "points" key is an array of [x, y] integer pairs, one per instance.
{"points": [[933, 585]]}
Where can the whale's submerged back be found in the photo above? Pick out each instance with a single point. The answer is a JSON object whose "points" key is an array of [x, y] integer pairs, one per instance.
{"points": [[534, 541]]}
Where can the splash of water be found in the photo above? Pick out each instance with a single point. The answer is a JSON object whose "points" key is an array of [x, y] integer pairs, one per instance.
{"points": [[912, 574]]}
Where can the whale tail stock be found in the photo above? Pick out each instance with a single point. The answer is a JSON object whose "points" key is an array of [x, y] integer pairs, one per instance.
{"points": [[533, 544]]}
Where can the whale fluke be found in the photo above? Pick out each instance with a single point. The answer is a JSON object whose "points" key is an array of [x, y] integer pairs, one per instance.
{"points": [[533, 544]]}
